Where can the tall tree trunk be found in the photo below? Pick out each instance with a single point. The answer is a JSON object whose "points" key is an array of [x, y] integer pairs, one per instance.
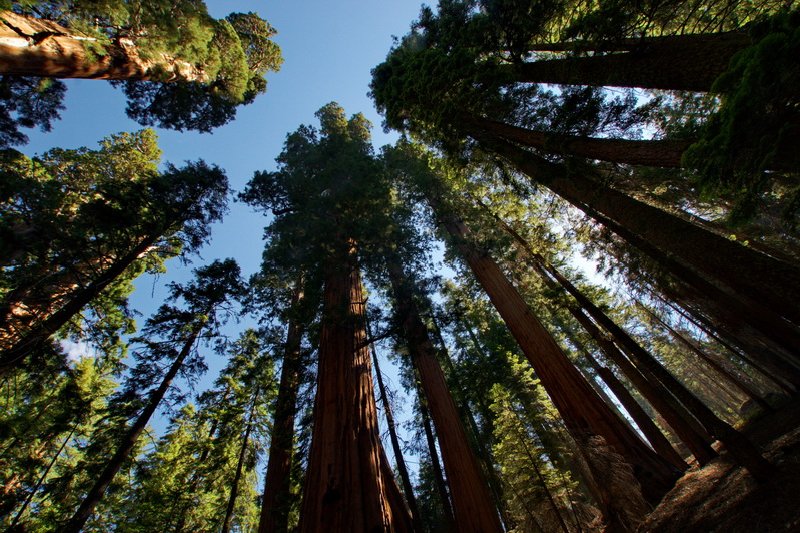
{"points": [[37, 47], [14, 355], [655, 153], [438, 475], [650, 430], [740, 448], [584, 413], [472, 501], [128, 442], [346, 489], [760, 289], [688, 430], [685, 63], [277, 499], [405, 478], [724, 372], [228, 520]]}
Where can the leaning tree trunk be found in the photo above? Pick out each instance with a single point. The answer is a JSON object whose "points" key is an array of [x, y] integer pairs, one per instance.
{"points": [[584, 413], [14, 355], [438, 475], [405, 478], [683, 63], [473, 507], [346, 488], [655, 153], [37, 47], [277, 499], [126, 445], [762, 290]]}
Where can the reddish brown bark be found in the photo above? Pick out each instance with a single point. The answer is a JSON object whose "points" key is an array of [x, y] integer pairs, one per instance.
{"points": [[347, 489], [584, 413], [473, 507], [761, 290], [276, 502], [34, 47], [438, 475], [656, 153]]}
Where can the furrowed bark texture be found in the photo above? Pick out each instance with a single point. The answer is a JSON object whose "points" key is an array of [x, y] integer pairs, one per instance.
{"points": [[473, 507], [276, 501], [36, 47], [347, 489], [584, 413]]}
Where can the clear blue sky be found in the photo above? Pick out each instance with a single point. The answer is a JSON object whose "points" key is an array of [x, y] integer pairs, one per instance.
{"points": [[328, 49]]}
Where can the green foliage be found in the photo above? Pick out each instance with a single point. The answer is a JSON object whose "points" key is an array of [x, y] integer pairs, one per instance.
{"points": [[758, 124], [27, 103], [232, 56]]}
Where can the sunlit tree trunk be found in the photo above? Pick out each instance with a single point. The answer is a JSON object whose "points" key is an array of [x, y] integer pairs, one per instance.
{"points": [[37, 47], [405, 478], [346, 487]]}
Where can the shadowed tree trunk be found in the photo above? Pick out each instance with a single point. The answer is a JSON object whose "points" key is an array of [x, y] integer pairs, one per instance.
{"points": [[761, 290], [347, 489], [682, 63], [405, 478], [277, 497], [473, 507], [655, 153], [584, 413], [15, 353], [438, 475]]}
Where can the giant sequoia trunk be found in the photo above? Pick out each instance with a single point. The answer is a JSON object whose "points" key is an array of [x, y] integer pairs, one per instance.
{"points": [[405, 478], [472, 502], [680, 62], [277, 499], [438, 475], [347, 489], [15, 353], [127, 443], [654, 153], [35, 47], [584, 413], [761, 290]]}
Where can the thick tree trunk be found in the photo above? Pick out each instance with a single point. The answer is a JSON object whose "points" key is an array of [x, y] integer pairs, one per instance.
{"points": [[654, 153], [764, 290], [36, 47], [683, 424], [277, 499], [14, 355], [683, 63], [438, 475], [346, 488], [584, 413], [650, 430], [405, 478], [472, 501], [740, 448], [128, 442]]}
